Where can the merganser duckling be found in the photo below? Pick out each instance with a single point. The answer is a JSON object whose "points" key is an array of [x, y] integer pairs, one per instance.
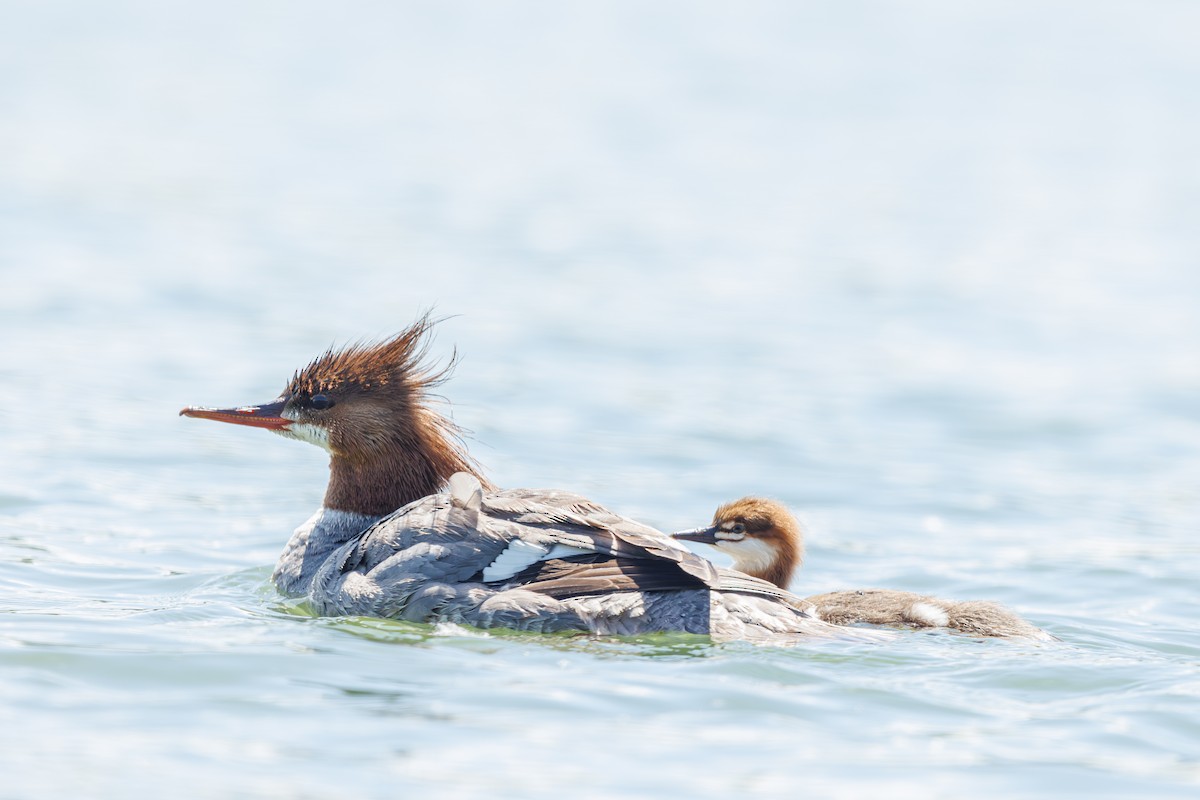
{"points": [[411, 529], [765, 540]]}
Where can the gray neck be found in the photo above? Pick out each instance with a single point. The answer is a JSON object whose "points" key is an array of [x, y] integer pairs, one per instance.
{"points": [[312, 543]]}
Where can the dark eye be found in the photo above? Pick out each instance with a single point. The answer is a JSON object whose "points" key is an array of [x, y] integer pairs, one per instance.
{"points": [[737, 527], [321, 401]]}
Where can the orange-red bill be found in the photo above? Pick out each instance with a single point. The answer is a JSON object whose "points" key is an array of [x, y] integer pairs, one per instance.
{"points": [[264, 416]]}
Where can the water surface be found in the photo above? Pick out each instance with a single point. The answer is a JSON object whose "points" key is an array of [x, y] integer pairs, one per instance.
{"points": [[927, 273]]}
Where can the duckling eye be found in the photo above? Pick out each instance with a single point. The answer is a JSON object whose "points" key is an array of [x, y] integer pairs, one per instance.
{"points": [[320, 402]]}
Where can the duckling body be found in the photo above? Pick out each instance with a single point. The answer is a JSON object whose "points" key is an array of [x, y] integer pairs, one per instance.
{"points": [[765, 540], [892, 607]]}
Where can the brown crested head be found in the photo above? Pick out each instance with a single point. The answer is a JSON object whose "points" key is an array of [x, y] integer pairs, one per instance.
{"points": [[370, 396], [369, 405], [761, 535]]}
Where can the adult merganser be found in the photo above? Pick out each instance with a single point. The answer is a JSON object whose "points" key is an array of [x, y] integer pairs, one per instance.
{"points": [[765, 540], [410, 529]]}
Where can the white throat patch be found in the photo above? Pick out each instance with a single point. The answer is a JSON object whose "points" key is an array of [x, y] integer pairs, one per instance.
{"points": [[306, 432], [749, 554]]}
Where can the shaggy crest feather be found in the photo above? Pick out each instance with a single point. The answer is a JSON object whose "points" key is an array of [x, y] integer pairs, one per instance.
{"points": [[363, 366]]}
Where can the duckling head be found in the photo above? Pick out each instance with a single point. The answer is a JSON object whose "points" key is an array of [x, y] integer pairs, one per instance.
{"points": [[762, 536]]}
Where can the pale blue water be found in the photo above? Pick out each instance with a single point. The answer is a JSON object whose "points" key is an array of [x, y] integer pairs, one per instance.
{"points": [[928, 272]]}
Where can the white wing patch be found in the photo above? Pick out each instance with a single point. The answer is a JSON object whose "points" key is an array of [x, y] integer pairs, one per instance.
{"points": [[564, 550], [520, 554]]}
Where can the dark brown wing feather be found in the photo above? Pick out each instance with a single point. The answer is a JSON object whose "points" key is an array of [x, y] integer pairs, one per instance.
{"points": [[602, 574]]}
